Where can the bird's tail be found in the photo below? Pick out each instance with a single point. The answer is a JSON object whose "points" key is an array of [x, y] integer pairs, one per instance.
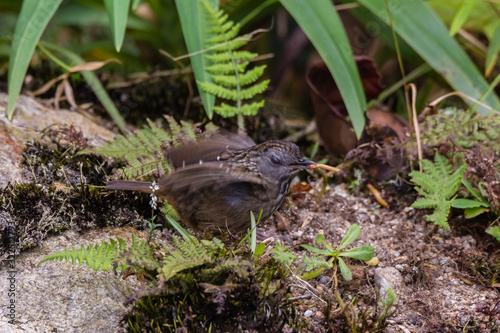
{"points": [[130, 185]]}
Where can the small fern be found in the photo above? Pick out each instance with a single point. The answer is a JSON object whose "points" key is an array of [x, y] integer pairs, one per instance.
{"points": [[185, 254], [231, 80], [98, 257], [437, 184]]}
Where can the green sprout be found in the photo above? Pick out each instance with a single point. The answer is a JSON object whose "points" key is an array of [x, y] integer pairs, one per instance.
{"points": [[364, 252]]}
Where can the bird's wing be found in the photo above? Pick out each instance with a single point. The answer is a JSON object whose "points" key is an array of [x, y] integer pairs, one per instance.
{"points": [[207, 150], [209, 175]]}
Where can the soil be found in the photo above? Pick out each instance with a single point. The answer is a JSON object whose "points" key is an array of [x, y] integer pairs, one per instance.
{"points": [[447, 276]]}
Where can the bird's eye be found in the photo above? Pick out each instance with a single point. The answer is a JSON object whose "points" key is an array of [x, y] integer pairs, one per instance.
{"points": [[275, 160]]}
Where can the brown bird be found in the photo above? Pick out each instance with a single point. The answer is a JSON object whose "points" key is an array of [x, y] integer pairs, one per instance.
{"points": [[216, 183]]}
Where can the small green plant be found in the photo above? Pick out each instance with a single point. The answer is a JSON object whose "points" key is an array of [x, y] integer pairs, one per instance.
{"points": [[283, 255], [231, 79], [494, 231], [364, 252], [462, 128], [437, 184], [473, 208]]}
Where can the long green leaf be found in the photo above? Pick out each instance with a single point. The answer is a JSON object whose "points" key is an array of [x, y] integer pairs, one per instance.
{"points": [[351, 235], [94, 84], [364, 252], [316, 250], [494, 231], [311, 275], [344, 270], [422, 29], [118, 14], [135, 3], [493, 50], [467, 203], [322, 24], [179, 228], [461, 16], [33, 19], [194, 30]]}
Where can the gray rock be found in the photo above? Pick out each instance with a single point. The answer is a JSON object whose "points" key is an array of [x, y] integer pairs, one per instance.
{"points": [[61, 296], [388, 277]]}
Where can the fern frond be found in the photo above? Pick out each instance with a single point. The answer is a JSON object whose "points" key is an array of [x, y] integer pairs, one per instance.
{"points": [[153, 164], [231, 45], [159, 133], [98, 257], [244, 79], [226, 110], [258, 88], [231, 81], [251, 109], [140, 257], [440, 215], [425, 181], [232, 94], [438, 184], [424, 203], [188, 129], [183, 255], [228, 68], [441, 166], [175, 128], [224, 57], [225, 33]]}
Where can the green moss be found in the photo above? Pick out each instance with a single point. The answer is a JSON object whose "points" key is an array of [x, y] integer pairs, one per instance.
{"points": [[65, 192]]}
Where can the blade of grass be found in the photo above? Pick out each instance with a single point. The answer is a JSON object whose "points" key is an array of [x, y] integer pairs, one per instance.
{"points": [[118, 14], [492, 53], [461, 16], [94, 84], [32, 21], [415, 74], [422, 29], [179, 228], [321, 23], [253, 236], [135, 3], [194, 31]]}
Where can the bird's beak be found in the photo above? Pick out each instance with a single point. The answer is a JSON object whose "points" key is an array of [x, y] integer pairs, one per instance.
{"points": [[306, 163]]}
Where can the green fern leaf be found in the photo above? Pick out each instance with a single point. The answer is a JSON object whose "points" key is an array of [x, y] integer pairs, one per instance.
{"points": [[244, 79], [251, 109], [140, 257], [424, 203], [227, 68], [224, 57], [437, 184], [185, 254], [98, 257], [258, 88], [231, 81], [440, 215]]}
